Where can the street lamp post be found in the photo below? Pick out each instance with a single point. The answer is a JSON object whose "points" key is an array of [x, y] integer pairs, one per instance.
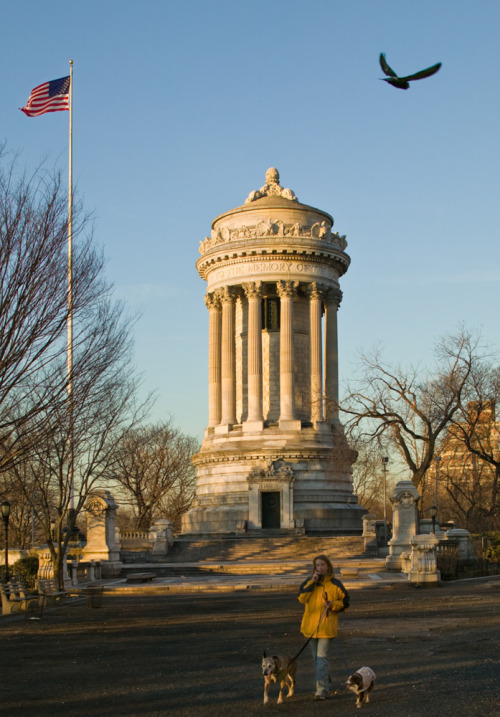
{"points": [[433, 512], [438, 458], [385, 461], [5, 508]]}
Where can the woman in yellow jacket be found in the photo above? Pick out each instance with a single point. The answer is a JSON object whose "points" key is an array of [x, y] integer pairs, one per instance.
{"points": [[324, 597]]}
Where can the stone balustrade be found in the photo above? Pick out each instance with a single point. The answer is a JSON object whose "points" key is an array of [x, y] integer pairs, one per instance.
{"points": [[146, 545]]}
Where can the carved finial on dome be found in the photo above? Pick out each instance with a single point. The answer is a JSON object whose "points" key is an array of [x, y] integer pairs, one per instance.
{"points": [[271, 188], [272, 176]]}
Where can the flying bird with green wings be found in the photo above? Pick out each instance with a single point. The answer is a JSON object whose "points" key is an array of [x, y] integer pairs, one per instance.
{"points": [[403, 83]]}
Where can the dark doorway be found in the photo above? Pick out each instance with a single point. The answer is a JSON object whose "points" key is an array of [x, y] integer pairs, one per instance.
{"points": [[271, 510]]}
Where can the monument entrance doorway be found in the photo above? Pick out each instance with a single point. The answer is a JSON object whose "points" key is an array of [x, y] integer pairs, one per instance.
{"points": [[271, 510]]}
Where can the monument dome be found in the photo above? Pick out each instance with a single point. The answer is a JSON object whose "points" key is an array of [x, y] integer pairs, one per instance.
{"points": [[274, 455]]}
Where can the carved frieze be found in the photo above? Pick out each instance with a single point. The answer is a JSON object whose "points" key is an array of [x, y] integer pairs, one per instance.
{"points": [[274, 471], [96, 507], [406, 499], [273, 228]]}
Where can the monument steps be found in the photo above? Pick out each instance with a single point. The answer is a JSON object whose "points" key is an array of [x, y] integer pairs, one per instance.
{"points": [[263, 549], [295, 568]]}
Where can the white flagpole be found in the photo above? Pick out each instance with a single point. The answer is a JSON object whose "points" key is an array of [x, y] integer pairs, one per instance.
{"points": [[70, 291]]}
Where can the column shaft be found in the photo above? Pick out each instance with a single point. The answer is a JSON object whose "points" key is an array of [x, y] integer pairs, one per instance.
{"points": [[214, 358], [333, 299], [254, 356], [287, 420], [228, 360], [315, 310]]}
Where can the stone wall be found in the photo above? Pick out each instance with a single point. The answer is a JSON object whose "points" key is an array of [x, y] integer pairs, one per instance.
{"points": [[271, 375]]}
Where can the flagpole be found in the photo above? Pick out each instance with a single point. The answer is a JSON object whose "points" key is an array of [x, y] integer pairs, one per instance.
{"points": [[70, 291]]}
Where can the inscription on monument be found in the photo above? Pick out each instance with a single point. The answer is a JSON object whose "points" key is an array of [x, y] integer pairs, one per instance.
{"points": [[256, 269]]}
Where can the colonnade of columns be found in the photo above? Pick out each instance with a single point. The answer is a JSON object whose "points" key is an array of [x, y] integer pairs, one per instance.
{"points": [[222, 355]]}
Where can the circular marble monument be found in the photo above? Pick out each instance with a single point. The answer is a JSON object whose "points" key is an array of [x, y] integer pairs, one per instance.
{"points": [[274, 454]]}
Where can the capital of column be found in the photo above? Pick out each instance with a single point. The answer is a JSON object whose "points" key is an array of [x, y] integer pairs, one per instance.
{"points": [[213, 300], [316, 291], [333, 296], [253, 289], [227, 295], [287, 289]]}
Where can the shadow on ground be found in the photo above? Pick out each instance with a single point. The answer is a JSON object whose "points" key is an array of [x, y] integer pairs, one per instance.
{"points": [[435, 651]]}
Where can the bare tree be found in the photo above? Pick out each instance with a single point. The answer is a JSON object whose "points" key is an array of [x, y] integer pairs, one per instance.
{"points": [[411, 408], [21, 519], [34, 299], [368, 473], [156, 473], [471, 451], [56, 484], [55, 451]]}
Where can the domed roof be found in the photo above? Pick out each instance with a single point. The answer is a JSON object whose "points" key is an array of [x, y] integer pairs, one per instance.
{"points": [[272, 196], [264, 237]]}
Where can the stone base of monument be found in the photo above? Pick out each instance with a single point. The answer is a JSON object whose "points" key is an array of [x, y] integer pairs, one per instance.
{"points": [[275, 479], [219, 520]]}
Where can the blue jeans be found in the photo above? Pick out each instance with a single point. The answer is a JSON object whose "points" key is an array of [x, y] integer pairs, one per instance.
{"points": [[320, 648]]}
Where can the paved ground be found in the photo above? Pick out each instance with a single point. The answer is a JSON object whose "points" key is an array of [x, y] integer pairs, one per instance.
{"points": [[436, 651], [246, 575]]}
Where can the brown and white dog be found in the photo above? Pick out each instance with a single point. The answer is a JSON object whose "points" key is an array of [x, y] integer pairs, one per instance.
{"points": [[278, 669], [361, 683]]}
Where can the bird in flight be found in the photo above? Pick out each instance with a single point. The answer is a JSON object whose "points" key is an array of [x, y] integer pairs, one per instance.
{"points": [[404, 82]]}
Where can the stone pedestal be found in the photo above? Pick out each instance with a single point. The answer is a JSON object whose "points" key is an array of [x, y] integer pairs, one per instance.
{"points": [[101, 544], [274, 454], [162, 535], [423, 569], [46, 566], [370, 533], [462, 538], [405, 522]]}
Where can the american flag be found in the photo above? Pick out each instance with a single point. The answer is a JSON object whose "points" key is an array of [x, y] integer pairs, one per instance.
{"points": [[52, 96]]}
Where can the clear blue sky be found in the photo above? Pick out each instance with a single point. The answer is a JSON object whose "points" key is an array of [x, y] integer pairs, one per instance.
{"points": [[180, 107]]}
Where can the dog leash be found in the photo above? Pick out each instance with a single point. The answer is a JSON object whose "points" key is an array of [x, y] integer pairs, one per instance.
{"points": [[342, 656], [325, 612]]}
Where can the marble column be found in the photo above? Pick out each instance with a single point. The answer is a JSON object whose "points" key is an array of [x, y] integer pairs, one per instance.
{"points": [[286, 291], [333, 298], [214, 358], [315, 312], [228, 392], [255, 419]]}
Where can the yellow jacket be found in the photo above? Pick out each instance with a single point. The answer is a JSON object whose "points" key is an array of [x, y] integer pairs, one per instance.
{"points": [[312, 595]]}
